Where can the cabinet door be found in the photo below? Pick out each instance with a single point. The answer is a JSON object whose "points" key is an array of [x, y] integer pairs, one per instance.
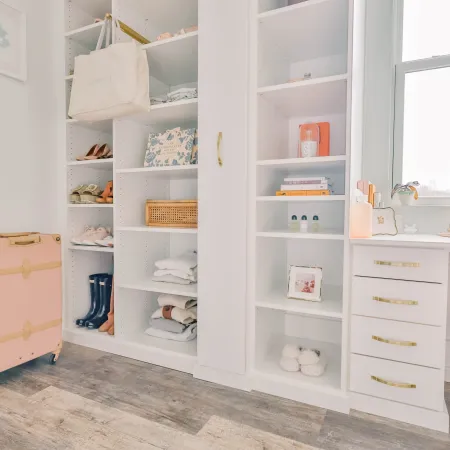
{"points": [[223, 83]]}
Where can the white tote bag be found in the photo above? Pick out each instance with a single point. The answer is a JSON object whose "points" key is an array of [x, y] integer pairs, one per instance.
{"points": [[110, 82]]}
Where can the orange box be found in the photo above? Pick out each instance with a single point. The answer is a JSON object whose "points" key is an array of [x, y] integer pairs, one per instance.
{"points": [[324, 138]]}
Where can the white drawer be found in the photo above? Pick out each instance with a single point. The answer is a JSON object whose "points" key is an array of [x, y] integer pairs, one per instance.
{"points": [[407, 301], [399, 341], [404, 383], [400, 263]]}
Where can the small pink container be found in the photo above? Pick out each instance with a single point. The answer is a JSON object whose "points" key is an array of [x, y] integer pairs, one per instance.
{"points": [[30, 298]]}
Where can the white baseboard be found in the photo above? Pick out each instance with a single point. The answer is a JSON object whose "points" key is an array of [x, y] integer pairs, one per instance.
{"points": [[229, 379], [421, 417], [447, 374]]}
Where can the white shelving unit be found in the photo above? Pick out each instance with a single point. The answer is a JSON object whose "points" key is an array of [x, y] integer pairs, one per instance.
{"points": [[287, 42], [173, 64]]}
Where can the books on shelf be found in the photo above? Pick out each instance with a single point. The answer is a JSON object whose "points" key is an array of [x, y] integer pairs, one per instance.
{"points": [[304, 187], [302, 193], [303, 180]]}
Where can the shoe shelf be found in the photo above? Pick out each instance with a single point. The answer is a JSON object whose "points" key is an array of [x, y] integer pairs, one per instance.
{"points": [[91, 205], [89, 248], [104, 126], [86, 36], [161, 288], [99, 164], [165, 173]]}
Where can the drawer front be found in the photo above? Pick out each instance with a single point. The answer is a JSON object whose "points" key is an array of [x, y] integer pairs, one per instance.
{"points": [[407, 301], [404, 383], [400, 263], [399, 341]]}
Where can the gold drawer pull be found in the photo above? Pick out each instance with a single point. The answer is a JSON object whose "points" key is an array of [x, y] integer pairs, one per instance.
{"points": [[396, 302], [390, 341], [219, 149], [391, 383], [396, 264]]}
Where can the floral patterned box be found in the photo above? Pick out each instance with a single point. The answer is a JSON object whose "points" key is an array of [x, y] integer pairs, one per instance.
{"points": [[174, 147]]}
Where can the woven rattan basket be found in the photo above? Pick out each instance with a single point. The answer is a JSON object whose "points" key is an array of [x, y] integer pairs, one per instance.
{"points": [[171, 213]]}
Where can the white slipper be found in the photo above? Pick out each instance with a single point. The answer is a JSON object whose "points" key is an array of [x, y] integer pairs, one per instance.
{"points": [[107, 242], [291, 351], [308, 357], [289, 364], [314, 370]]}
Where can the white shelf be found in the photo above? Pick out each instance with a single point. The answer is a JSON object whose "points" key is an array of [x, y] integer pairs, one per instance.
{"points": [[175, 60], [170, 114], [270, 365], [189, 290], [88, 248], [86, 36], [159, 230], [104, 126], [316, 97], [100, 164], [329, 307], [184, 348], [290, 165], [321, 23], [167, 173], [90, 205], [408, 240], [329, 235], [306, 198]]}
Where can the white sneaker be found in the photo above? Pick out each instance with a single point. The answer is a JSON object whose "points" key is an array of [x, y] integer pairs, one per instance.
{"points": [[78, 240], [97, 235], [107, 242]]}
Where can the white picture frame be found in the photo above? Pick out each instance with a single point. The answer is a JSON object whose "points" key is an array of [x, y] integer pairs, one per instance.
{"points": [[13, 42], [305, 283]]}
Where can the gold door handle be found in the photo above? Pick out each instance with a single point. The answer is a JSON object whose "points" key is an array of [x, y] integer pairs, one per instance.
{"points": [[219, 148], [397, 264], [396, 302], [394, 384], [392, 342]]}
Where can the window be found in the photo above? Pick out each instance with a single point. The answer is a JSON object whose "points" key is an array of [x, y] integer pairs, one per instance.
{"points": [[422, 97]]}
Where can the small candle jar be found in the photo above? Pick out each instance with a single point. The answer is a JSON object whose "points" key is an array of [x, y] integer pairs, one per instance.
{"points": [[304, 224], [315, 224], [294, 224]]}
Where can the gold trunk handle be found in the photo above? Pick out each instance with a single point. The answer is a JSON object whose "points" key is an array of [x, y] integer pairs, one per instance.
{"points": [[393, 342], [396, 302], [394, 384], [219, 149], [23, 241]]}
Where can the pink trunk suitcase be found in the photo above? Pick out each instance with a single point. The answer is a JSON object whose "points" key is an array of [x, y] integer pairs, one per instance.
{"points": [[30, 298]]}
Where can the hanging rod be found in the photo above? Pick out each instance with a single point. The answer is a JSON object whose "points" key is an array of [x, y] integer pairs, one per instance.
{"points": [[129, 31]]}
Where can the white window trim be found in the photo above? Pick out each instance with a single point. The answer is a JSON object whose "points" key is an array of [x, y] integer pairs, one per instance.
{"points": [[401, 69]]}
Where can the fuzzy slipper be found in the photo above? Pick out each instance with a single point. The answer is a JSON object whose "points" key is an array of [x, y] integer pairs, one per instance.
{"points": [[308, 357], [289, 364]]}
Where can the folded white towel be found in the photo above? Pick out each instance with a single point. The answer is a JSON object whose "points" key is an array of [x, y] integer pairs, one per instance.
{"points": [[188, 334], [171, 279], [176, 300], [184, 316], [184, 262], [177, 273]]}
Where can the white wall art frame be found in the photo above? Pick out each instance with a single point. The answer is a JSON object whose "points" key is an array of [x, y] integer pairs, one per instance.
{"points": [[13, 42]]}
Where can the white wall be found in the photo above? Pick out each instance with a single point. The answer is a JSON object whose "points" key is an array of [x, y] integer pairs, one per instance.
{"points": [[28, 152]]}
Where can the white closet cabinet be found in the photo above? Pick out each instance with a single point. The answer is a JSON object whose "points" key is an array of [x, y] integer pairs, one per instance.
{"points": [[223, 81]]}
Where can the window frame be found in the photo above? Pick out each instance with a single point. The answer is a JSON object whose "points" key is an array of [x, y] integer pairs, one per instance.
{"points": [[401, 69]]}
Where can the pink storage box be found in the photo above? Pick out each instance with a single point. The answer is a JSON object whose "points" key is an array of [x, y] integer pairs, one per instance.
{"points": [[30, 298]]}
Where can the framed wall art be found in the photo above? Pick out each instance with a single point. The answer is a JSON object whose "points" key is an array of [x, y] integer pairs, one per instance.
{"points": [[305, 283], [13, 43]]}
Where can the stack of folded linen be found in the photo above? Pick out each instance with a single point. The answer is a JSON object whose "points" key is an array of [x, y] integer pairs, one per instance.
{"points": [[175, 96], [175, 318], [181, 270]]}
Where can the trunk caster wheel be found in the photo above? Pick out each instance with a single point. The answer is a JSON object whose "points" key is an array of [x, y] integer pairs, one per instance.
{"points": [[53, 359]]}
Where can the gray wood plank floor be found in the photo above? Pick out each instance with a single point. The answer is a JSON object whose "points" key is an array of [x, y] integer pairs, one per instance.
{"points": [[94, 400]]}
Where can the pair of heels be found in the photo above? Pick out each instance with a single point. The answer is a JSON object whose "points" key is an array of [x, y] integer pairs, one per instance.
{"points": [[97, 152], [107, 196], [101, 300]]}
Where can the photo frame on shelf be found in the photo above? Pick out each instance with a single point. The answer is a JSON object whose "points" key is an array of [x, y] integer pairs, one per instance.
{"points": [[13, 43], [383, 222], [305, 283]]}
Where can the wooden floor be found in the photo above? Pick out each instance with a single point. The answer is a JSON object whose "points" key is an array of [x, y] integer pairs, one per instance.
{"points": [[94, 400]]}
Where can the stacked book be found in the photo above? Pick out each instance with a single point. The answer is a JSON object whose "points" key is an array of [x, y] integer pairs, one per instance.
{"points": [[296, 186]]}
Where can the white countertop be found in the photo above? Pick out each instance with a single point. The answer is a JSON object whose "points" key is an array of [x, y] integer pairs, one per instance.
{"points": [[406, 240]]}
